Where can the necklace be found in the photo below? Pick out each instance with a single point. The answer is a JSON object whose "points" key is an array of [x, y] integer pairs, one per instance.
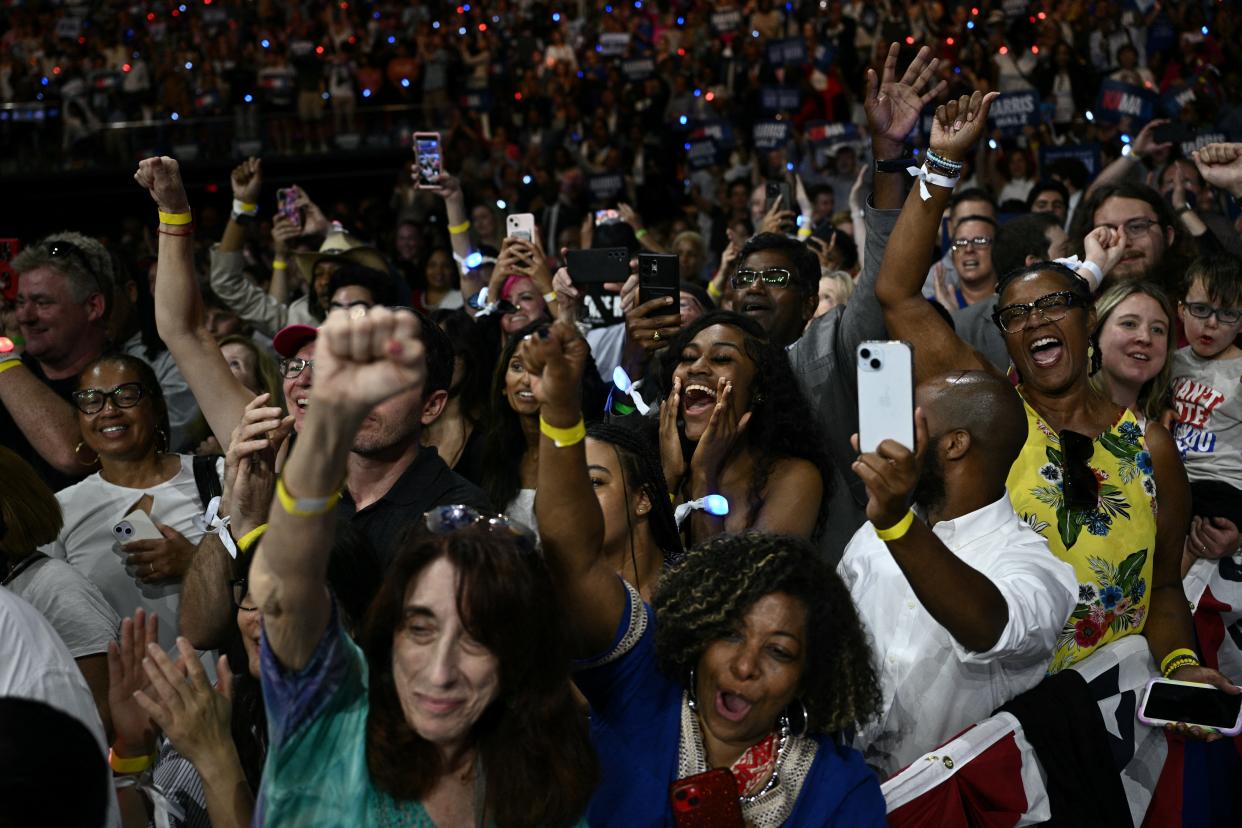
{"points": [[774, 779]]}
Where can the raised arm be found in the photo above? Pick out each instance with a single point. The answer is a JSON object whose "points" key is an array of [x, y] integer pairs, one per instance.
{"points": [[571, 525], [179, 316], [49, 423], [899, 288], [359, 363]]}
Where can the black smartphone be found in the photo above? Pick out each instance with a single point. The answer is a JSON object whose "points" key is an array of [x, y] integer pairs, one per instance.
{"points": [[1169, 701], [1173, 132], [595, 267], [778, 191], [658, 276], [706, 800]]}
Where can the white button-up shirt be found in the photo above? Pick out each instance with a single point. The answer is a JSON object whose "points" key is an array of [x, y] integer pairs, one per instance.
{"points": [[933, 686]]}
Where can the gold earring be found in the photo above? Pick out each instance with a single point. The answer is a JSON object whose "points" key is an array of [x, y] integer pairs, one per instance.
{"points": [[77, 452]]}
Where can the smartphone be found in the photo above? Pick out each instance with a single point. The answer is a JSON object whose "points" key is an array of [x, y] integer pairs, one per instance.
{"points": [[706, 800], [885, 394], [287, 198], [428, 158], [778, 191], [607, 217], [521, 226], [595, 267], [137, 525], [1169, 702], [1174, 132], [658, 276]]}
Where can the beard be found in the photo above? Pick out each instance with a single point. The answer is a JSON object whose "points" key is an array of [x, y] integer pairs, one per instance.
{"points": [[929, 493]]}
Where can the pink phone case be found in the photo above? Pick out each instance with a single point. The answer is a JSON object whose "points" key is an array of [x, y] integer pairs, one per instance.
{"points": [[1233, 731]]}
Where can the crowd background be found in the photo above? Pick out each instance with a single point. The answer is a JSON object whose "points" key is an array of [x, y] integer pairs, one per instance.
{"points": [[670, 118]]}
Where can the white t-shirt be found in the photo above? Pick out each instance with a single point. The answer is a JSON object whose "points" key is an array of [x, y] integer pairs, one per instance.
{"points": [[92, 507], [76, 608], [36, 665]]}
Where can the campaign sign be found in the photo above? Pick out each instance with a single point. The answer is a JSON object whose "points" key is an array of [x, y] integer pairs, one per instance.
{"points": [[720, 132], [638, 69], [69, 28], [1177, 97], [769, 135], [824, 56], [605, 187], [1012, 112], [702, 154], [1122, 100], [787, 51], [779, 98], [824, 133], [1088, 154], [614, 43], [726, 20], [1202, 140]]}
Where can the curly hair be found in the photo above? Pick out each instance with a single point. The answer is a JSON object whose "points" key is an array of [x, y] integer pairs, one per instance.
{"points": [[706, 596], [504, 441], [532, 739], [781, 423]]}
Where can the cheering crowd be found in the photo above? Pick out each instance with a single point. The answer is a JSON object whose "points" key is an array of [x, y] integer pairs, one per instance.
{"points": [[382, 511]]}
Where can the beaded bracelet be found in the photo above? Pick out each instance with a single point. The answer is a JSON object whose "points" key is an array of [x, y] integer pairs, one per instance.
{"points": [[1176, 659]]}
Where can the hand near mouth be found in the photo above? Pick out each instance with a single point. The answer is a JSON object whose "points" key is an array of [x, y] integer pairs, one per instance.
{"points": [[722, 432]]}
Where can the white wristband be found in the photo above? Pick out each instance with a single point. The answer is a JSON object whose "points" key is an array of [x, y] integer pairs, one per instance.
{"points": [[241, 208], [1097, 275], [926, 176]]}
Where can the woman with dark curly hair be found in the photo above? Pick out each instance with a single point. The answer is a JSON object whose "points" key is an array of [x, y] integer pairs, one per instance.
{"points": [[751, 657], [734, 423]]}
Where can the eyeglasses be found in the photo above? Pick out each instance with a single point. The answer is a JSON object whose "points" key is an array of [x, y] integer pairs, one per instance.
{"points": [[1053, 307], [977, 241], [293, 368], [1135, 227], [60, 249], [240, 591], [771, 277], [445, 519], [1202, 310], [1079, 483], [125, 395]]}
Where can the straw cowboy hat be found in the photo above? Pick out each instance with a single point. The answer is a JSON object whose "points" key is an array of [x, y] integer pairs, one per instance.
{"points": [[339, 246]]}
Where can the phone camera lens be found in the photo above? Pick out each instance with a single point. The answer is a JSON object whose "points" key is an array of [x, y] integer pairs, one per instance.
{"points": [[694, 802], [875, 363], [864, 353]]}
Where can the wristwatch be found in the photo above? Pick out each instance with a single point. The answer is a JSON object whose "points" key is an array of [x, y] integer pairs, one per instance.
{"points": [[896, 165]]}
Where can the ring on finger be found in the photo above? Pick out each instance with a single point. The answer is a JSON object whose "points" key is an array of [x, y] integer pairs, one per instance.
{"points": [[655, 337]]}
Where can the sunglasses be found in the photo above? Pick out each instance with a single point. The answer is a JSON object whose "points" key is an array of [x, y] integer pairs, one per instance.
{"points": [[292, 368], [1202, 310], [771, 277], [125, 395], [977, 241], [60, 249], [1081, 486], [1053, 307], [443, 520]]}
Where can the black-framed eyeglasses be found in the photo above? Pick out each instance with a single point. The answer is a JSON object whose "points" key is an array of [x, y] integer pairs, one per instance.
{"points": [[977, 241], [1202, 310], [93, 400], [1135, 228], [61, 249], [293, 367], [770, 276], [1079, 483], [445, 519], [239, 589], [1052, 307]]}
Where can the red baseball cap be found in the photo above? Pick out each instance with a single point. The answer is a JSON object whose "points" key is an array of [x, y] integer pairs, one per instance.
{"points": [[290, 339]]}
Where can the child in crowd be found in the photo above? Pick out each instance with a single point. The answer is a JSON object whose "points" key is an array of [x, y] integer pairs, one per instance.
{"points": [[1207, 388]]}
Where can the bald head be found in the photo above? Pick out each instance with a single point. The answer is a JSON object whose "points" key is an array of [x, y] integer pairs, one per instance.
{"points": [[986, 407]]}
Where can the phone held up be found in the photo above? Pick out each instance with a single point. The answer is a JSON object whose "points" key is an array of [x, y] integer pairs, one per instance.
{"points": [[1168, 701], [658, 276], [885, 394], [597, 266], [287, 200], [520, 226], [428, 160], [706, 800]]}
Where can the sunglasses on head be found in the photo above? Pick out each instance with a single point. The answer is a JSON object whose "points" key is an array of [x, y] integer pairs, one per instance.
{"points": [[60, 249], [1081, 486], [444, 520]]}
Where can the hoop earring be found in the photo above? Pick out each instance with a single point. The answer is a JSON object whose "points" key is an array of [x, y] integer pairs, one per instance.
{"points": [[162, 444], [797, 721], [691, 699], [77, 453]]}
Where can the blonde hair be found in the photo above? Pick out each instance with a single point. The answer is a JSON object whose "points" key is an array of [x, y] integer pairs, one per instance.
{"points": [[843, 282], [1153, 397], [31, 513]]}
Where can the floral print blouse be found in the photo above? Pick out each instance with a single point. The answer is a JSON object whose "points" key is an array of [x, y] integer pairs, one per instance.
{"points": [[1110, 547]]}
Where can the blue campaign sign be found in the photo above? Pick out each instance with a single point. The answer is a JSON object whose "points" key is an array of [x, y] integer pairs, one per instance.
{"points": [[789, 50], [822, 132], [719, 131], [728, 20], [638, 69], [780, 98], [1178, 96], [606, 186], [702, 154], [1012, 112], [770, 135], [1088, 154], [1122, 100]]}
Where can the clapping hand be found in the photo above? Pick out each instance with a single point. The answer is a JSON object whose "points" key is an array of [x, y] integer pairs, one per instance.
{"points": [[179, 698], [958, 124], [161, 177], [135, 732], [250, 465]]}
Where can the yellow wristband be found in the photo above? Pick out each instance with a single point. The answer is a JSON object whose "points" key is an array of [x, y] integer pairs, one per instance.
{"points": [[9, 363], [458, 229], [305, 506], [804, 233], [1180, 654], [897, 530], [176, 219], [278, 264], [550, 296], [640, 232], [248, 540], [564, 437], [714, 291], [129, 764]]}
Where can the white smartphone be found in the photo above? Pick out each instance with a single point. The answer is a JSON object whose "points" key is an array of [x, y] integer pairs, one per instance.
{"points": [[429, 159], [520, 226], [1169, 702], [885, 394], [137, 525]]}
